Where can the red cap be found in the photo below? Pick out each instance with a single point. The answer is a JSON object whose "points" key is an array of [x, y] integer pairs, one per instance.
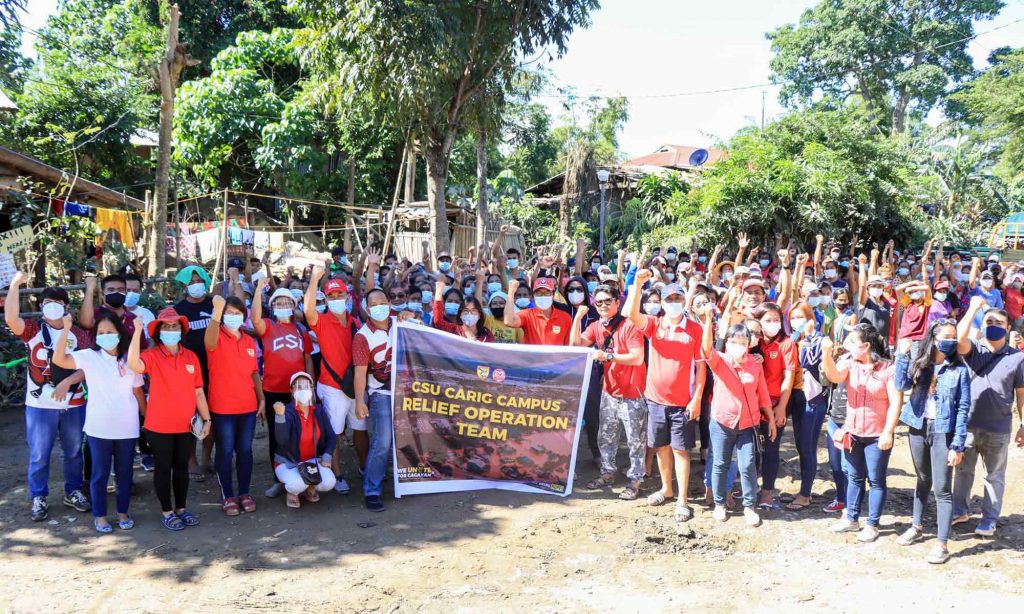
{"points": [[167, 315], [942, 285], [335, 285], [547, 283]]}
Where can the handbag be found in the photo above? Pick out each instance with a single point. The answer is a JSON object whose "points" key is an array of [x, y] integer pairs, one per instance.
{"points": [[310, 472]]}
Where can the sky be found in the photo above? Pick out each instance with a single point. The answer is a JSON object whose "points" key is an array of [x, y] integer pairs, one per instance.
{"points": [[645, 49]]}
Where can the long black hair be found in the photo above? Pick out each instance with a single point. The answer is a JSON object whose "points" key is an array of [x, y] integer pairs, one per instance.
{"points": [[922, 368], [471, 300], [870, 335], [123, 338]]}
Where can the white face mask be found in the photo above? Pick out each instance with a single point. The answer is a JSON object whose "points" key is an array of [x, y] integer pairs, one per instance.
{"points": [[652, 309], [53, 311], [940, 296], [543, 302], [303, 396], [875, 292], [771, 328], [576, 297], [673, 310], [197, 290], [735, 350], [830, 273], [986, 283]]}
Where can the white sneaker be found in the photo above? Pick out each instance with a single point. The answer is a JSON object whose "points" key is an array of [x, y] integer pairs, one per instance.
{"points": [[720, 513], [868, 534], [845, 525], [752, 518], [342, 487]]}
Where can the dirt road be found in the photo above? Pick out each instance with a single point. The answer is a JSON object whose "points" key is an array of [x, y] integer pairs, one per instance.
{"points": [[490, 551]]}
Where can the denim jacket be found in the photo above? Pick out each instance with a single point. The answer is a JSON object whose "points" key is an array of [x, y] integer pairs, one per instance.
{"points": [[953, 404]]}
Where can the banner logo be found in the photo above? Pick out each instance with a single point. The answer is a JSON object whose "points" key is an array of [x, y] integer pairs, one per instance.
{"points": [[483, 372]]}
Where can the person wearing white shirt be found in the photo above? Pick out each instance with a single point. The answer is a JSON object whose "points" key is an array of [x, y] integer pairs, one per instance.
{"points": [[112, 422]]}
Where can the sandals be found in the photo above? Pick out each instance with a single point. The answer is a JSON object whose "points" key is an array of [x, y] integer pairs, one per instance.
{"points": [[102, 528], [657, 498], [601, 482], [126, 525], [311, 494], [230, 507], [172, 522], [292, 501], [683, 512], [248, 503], [187, 518], [793, 506], [631, 492]]}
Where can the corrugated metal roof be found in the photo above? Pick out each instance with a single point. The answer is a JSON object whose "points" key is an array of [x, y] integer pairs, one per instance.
{"points": [[674, 156]]}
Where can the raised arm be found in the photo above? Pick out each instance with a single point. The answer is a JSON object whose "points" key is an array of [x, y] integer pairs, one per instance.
{"points": [[135, 352], [632, 307], [61, 358], [743, 242], [828, 363], [12, 304], [581, 253], [372, 264], [258, 323], [309, 302], [87, 313], [785, 279], [972, 283], [212, 335], [818, 242], [511, 318], [707, 339], [963, 328], [498, 247], [575, 336]]}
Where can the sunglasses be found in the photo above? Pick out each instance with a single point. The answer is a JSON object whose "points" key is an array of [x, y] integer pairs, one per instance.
{"points": [[398, 295], [605, 302]]}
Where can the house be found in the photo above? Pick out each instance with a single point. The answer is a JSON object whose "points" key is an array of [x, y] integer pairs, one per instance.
{"points": [[21, 172], [677, 157]]}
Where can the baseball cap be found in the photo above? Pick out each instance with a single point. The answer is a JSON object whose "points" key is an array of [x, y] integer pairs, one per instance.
{"points": [[604, 273], [753, 282], [546, 283], [993, 258], [235, 263], [281, 292], [335, 285], [671, 289], [941, 285], [876, 279], [986, 274], [299, 374]]}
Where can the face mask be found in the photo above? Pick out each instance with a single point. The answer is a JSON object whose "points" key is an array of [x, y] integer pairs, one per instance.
{"points": [[594, 266], [283, 314], [470, 319], [131, 299], [296, 293], [451, 308], [987, 284], [875, 292], [444, 266], [835, 255], [321, 308], [107, 341], [916, 296], [197, 290], [670, 276], [427, 297], [114, 299], [763, 262], [947, 347], [343, 261], [903, 271], [727, 275], [469, 290], [543, 302], [234, 320], [930, 268], [995, 333], [512, 263], [830, 273], [652, 309], [672, 310], [814, 301], [170, 337], [380, 312], [400, 306], [736, 351], [844, 263], [771, 328], [591, 286], [798, 325], [856, 350], [576, 297], [702, 259], [338, 306], [841, 307], [303, 396], [940, 296], [670, 257], [494, 286], [53, 311], [522, 303]]}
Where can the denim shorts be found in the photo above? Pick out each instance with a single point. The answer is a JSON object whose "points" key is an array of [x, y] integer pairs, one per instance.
{"points": [[670, 426]]}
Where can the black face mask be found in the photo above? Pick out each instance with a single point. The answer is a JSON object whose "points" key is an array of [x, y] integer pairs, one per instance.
{"points": [[114, 299], [498, 312]]}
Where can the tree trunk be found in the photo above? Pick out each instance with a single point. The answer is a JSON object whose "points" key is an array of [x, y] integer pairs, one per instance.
{"points": [[483, 216], [437, 177], [350, 198]]}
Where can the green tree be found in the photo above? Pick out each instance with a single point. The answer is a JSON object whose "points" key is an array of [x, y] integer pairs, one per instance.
{"points": [[898, 57], [428, 61], [594, 123]]}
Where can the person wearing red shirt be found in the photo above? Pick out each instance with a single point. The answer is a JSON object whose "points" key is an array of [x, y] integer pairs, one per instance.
{"points": [[470, 315], [784, 380], [619, 347], [305, 438], [236, 399], [172, 370], [335, 330], [287, 350], [675, 385], [543, 324], [739, 401]]}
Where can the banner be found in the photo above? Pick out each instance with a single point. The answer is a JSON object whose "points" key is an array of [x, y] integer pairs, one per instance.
{"points": [[16, 240], [470, 415]]}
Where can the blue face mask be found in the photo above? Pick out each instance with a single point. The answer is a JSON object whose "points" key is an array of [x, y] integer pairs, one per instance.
{"points": [[321, 308], [400, 306], [702, 259], [995, 333], [283, 314], [380, 313], [444, 266], [337, 306], [108, 341], [763, 262], [428, 296], [296, 293], [522, 303], [494, 286], [512, 263], [170, 337], [415, 307], [947, 347], [234, 320], [903, 271], [451, 308], [591, 286], [131, 299]]}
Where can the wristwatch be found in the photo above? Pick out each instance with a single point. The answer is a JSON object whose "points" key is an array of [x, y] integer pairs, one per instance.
{"points": [[609, 356]]}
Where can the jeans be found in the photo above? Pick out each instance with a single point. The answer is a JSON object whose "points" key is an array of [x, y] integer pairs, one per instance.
{"points": [[723, 441], [232, 434], [271, 398], [993, 448], [770, 457], [930, 452], [840, 471], [807, 422], [381, 438], [171, 453], [123, 453], [866, 461], [41, 429], [734, 467]]}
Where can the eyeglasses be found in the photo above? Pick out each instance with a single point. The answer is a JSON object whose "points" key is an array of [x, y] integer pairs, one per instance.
{"points": [[605, 302]]}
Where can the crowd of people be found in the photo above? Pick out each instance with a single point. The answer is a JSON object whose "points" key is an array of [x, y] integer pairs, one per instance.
{"points": [[728, 349]]}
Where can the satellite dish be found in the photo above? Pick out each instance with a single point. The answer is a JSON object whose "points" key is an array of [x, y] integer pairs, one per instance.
{"points": [[698, 157]]}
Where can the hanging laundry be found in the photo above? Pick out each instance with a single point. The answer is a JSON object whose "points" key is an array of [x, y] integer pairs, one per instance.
{"points": [[71, 208], [248, 238], [260, 243], [234, 235], [209, 243], [277, 242], [118, 221]]}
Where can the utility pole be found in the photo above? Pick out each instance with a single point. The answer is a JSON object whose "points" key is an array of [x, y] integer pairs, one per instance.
{"points": [[762, 109], [175, 60]]}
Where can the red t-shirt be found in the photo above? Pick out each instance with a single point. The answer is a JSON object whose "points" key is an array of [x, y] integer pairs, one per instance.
{"points": [[335, 339], [285, 348], [307, 435], [232, 364], [914, 323], [128, 319], [675, 352], [541, 330], [1014, 303], [780, 356], [622, 381], [173, 379]]}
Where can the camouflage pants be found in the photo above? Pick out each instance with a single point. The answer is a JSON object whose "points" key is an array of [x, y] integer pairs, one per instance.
{"points": [[632, 413]]}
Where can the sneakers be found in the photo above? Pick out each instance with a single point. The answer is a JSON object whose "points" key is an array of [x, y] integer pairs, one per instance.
{"points": [[374, 503], [752, 518], [909, 536], [833, 507], [146, 462], [938, 555], [720, 513], [986, 528], [76, 499], [868, 534], [845, 525], [275, 491], [342, 487], [40, 510]]}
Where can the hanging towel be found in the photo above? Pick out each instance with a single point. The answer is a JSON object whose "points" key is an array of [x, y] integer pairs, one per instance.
{"points": [[234, 235], [248, 238], [209, 243], [71, 208], [260, 243], [277, 242], [118, 221]]}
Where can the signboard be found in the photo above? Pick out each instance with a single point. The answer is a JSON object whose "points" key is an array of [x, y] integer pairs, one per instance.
{"points": [[16, 240]]}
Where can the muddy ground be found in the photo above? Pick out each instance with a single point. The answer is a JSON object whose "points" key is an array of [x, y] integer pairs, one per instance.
{"points": [[491, 551]]}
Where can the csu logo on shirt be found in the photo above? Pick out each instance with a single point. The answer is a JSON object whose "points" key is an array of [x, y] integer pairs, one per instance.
{"points": [[287, 342], [191, 369], [483, 372], [251, 352]]}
